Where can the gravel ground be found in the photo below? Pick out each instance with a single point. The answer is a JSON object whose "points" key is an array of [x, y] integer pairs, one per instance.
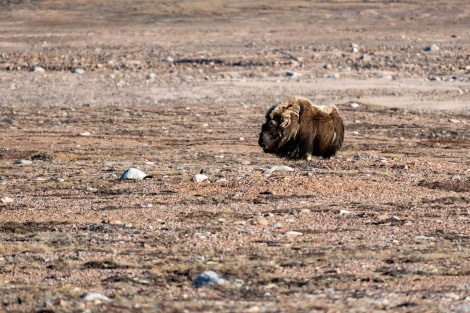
{"points": [[180, 88]]}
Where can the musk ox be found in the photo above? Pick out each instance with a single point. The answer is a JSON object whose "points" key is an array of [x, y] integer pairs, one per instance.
{"points": [[298, 129]]}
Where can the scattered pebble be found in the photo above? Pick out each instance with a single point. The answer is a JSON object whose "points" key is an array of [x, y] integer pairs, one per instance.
{"points": [[208, 278], [275, 168], [267, 192], [23, 162], [133, 173], [423, 238], [187, 78], [78, 71], [255, 309], [309, 168], [293, 74], [386, 77], [199, 178], [168, 59], [332, 75], [93, 296], [37, 69], [383, 218], [292, 234], [6, 200], [432, 47], [354, 47], [452, 296]]}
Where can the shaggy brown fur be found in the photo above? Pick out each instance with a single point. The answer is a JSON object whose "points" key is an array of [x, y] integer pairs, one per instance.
{"points": [[297, 129]]}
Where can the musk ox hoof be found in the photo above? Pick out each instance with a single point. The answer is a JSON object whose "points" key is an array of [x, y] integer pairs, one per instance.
{"points": [[298, 129]]}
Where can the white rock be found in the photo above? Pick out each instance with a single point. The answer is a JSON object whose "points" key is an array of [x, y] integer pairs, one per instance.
{"points": [[454, 121], [293, 74], [332, 75], [168, 59], [151, 76], [422, 238], [386, 77], [23, 162], [93, 296], [354, 47], [199, 178], [208, 278], [455, 178], [274, 168], [133, 173], [432, 47], [78, 71], [84, 134], [354, 105], [452, 296], [6, 200], [187, 78], [37, 69], [344, 212], [291, 234]]}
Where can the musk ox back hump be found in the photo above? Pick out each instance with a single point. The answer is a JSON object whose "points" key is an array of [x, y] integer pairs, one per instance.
{"points": [[297, 129]]}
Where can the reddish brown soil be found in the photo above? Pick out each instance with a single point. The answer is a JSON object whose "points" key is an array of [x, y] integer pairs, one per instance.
{"points": [[383, 226]]}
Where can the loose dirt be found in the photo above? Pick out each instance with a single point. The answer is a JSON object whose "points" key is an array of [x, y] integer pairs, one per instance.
{"points": [[177, 88]]}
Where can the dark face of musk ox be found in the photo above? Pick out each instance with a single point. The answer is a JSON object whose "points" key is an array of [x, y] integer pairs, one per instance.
{"points": [[297, 129]]}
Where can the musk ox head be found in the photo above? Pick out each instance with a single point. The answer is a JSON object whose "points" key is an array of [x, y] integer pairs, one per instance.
{"points": [[297, 129]]}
